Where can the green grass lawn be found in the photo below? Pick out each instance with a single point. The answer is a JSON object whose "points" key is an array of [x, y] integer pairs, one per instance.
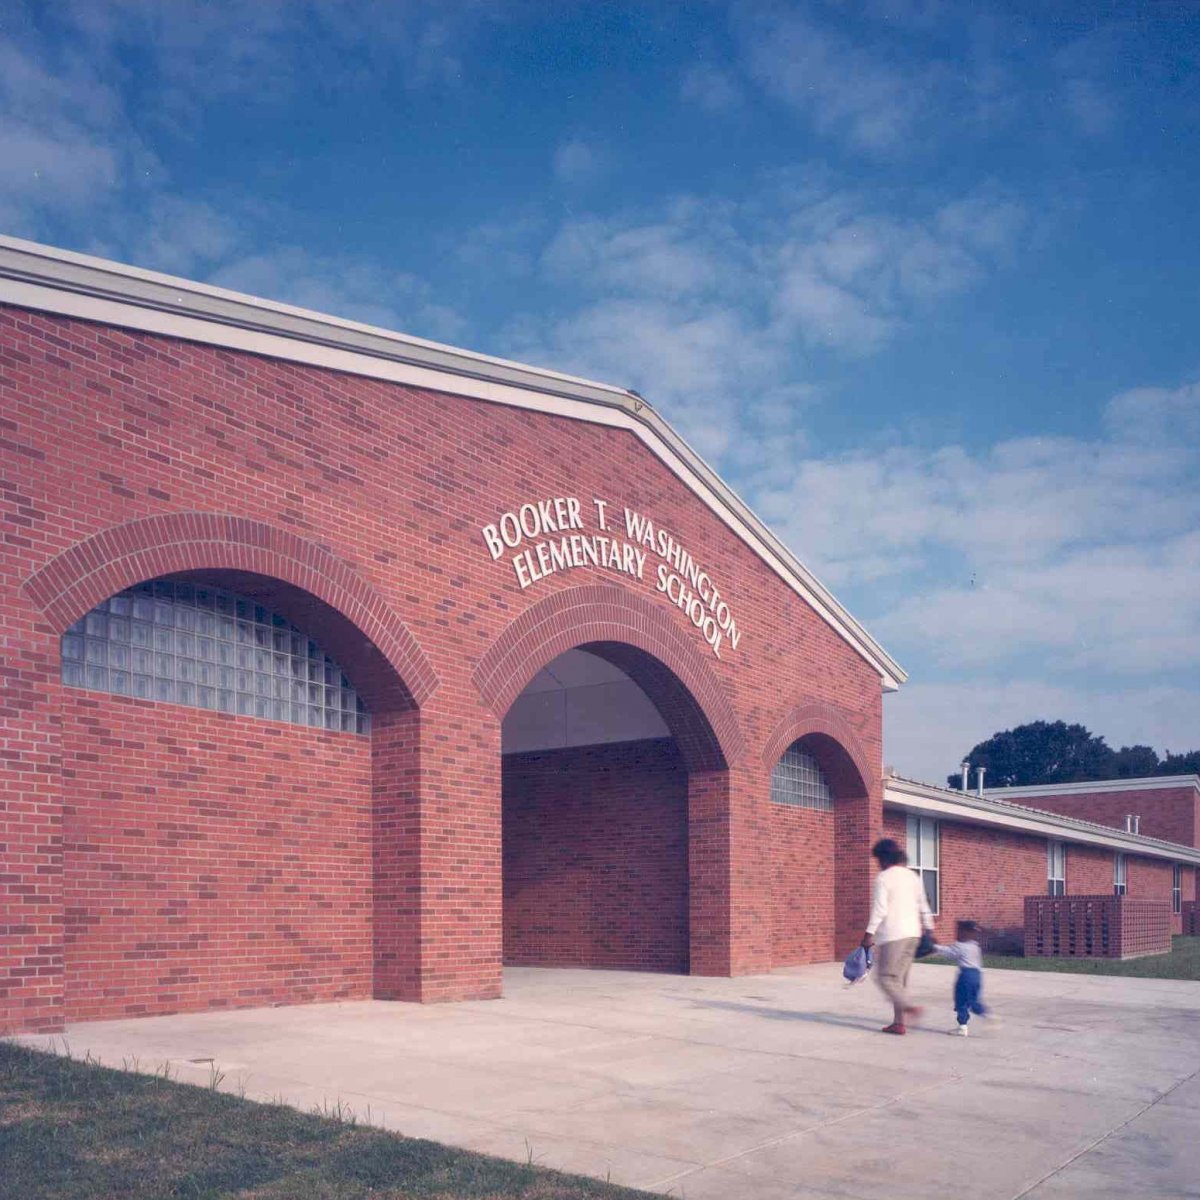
{"points": [[1182, 963], [76, 1131]]}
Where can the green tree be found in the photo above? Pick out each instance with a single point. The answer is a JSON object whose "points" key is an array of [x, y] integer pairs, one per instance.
{"points": [[1135, 762], [1040, 752], [1180, 764]]}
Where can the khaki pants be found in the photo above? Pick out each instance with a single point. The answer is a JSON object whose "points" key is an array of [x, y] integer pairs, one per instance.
{"points": [[893, 961]]}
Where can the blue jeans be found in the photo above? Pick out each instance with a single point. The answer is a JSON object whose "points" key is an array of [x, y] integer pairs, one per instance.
{"points": [[967, 988]]}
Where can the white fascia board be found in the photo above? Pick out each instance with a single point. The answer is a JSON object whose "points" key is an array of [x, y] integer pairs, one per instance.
{"points": [[972, 810], [1148, 783], [46, 279]]}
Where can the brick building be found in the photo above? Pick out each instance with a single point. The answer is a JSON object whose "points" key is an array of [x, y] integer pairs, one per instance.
{"points": [[983, 854], [339, 664]]}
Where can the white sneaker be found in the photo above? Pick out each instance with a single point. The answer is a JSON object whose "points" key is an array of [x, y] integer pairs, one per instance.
{"points": [[963, 1031]]}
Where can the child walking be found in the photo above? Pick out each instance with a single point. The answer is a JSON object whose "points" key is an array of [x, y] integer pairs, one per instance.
{"points": [[968, 987]]}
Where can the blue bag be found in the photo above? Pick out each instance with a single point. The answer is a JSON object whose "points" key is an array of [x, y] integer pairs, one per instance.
{"points": [[858, 963]]}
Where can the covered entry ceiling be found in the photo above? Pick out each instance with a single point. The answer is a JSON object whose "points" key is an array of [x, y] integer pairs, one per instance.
{"points": [[580, 700]]}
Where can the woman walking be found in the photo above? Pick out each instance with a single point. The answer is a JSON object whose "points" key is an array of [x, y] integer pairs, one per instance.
{"points": [[899, 912]]}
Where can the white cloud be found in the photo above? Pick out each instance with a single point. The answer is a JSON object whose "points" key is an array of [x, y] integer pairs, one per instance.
{"points": [[577, 162], [1024, 503], [850, 279], [710, 88], [707, 305], [70, 159], [46, 171], [847, 91], [990, 572], [195, 49], [1090, 72], [180, 236], [887, 78], [58, 149], [664, 259], [1127, 609]]}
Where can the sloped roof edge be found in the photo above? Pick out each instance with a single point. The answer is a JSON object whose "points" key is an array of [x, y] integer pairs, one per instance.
{"points": [[1143, 783], [911, 795], [48, 279]]}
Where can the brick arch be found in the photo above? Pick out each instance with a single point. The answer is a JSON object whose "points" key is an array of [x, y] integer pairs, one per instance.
{"points": [[639, 637], [835, 744], [79, 578]]}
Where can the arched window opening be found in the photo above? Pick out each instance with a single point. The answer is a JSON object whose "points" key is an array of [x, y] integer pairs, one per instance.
{"points": [[204, 647], [797, 780]]}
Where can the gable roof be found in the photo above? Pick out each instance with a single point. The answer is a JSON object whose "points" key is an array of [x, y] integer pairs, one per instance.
{"points": [[62, 282]]}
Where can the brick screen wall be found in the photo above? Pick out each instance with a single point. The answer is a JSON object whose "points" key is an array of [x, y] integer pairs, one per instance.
{"points": [[802, 928], [127, 456], [211, 861], [596, 857], [1096, 927]]}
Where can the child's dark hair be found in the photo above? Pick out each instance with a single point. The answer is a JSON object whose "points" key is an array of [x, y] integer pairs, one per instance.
{"points": [[889, 854], [966, 927]]}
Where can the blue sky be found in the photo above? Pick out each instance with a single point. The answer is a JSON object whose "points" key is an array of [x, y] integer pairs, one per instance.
{"points": [[920, 279]]}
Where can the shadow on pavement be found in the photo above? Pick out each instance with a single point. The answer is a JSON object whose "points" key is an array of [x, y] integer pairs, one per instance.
{"points": [[787, 1014]]}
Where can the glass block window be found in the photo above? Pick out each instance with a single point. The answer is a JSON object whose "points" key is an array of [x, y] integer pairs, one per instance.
{"points": [[798, 780], [185, 643]]}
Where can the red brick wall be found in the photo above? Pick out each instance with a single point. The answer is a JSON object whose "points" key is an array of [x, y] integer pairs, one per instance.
{"points": [[1172, 814], [895, 826], [1089, 871], [1149, 878], [802, 928], [985, 876], [385, 489], [595, 857], [211, 861]]}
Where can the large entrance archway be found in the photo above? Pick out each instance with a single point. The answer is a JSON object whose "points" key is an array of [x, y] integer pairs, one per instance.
{"points": [[621, 756], [595, 828]]}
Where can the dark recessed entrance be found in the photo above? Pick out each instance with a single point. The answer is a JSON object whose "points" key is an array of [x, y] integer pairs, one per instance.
{"points": [[595, 823]]}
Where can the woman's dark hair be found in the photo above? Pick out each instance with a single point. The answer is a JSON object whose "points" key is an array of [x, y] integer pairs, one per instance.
{"points": [[889, 854]]}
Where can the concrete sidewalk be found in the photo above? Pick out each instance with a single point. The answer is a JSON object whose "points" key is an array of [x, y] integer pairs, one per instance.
{"points": [[744, 1089]]}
